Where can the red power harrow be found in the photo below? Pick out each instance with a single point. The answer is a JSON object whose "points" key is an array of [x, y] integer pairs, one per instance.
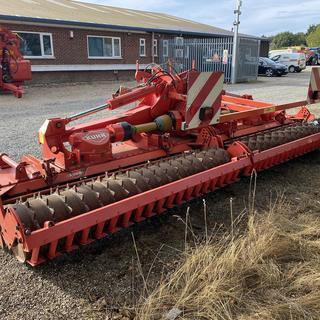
{"points": [[185, 137], [14, 69]]}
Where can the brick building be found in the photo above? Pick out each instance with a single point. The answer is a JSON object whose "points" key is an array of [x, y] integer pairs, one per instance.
{"points": [[68, 40]]}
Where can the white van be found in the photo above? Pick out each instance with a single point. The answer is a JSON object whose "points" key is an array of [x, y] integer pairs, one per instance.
{"points": [[295, 61]]}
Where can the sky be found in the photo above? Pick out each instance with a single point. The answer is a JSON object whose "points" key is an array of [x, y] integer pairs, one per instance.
{"points": [[259, 17]]}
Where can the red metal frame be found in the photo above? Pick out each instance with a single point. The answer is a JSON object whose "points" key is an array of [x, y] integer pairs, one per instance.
{"points": [[14, 68], [119, 144], [136, 208]]}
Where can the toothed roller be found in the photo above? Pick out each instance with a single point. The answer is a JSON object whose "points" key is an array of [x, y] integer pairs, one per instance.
{"points": [[141, 182], [74, 201], [70, 202], [129, 184], [161, 174], [181, 170], [270, 139], [90, 197], [116, 187], [153, 180], [195, 163], [105, 195]]}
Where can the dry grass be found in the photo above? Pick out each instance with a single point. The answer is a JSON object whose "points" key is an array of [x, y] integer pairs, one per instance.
{"points": [[270, 271]]}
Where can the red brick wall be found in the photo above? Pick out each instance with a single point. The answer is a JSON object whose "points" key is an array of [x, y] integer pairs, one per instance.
{"points": [[74, 51], [40, 78]]}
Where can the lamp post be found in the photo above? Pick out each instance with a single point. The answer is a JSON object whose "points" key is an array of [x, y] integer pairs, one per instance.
{"points": [[236, 23]]}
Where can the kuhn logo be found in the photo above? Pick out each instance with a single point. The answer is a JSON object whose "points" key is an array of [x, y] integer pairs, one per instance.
{"points": [[98, 136]]}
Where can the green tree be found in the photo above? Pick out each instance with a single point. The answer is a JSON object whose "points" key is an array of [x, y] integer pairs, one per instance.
{"points": [[313, 39], [300, 39], [288, 39], [282, 40], [311, 28]]}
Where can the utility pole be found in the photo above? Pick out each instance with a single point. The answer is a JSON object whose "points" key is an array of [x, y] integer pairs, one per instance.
{"points": [[235, 50]]}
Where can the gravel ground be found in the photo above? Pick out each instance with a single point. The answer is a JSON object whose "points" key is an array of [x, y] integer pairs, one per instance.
{"points": [[93, 283]]}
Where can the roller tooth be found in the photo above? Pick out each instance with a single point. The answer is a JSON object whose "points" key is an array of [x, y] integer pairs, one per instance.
{"points": [[63, 198], [147, 180], [80, 195]]}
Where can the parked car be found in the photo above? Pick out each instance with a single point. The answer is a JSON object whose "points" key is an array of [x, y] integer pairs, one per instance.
{"points": [[270, 68], [295, 61], [313, 58]]}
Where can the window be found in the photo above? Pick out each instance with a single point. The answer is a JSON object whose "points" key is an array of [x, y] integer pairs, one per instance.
{"points": [[142, 47], [36, 45], [104, 47], [275, 58], [155, 47], [262, 62], [165, 48]]}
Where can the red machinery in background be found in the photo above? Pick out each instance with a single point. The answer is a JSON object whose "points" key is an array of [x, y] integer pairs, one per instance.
{"points": [[185, 137], [14, 69]]}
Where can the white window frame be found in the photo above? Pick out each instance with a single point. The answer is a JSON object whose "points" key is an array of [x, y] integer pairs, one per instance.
{"points": [[142, 43], [155, 47], [103, 58], [165, 45], [41, 34]]}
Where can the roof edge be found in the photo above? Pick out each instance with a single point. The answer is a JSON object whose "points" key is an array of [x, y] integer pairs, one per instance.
{"points": [[105, 26]]}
